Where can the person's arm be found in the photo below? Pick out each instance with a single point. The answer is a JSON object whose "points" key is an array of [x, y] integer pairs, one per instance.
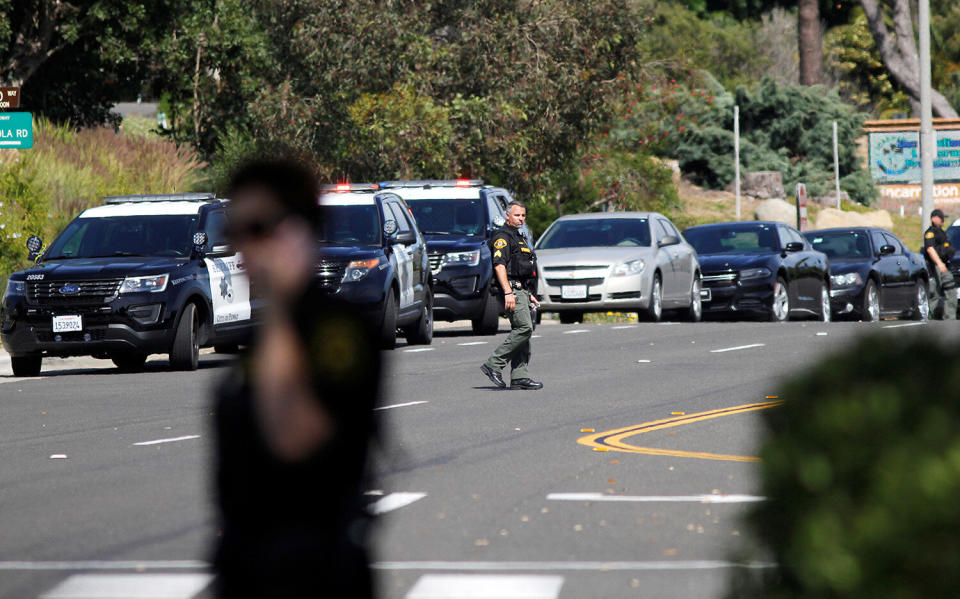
{"points": [[932, 252], [509, 299]]}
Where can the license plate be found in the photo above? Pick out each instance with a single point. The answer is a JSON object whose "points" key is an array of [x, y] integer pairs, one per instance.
{"points": [[573, 292], [67, 324], [706, 295]]}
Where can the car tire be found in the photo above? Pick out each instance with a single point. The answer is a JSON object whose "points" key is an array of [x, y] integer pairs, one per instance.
{"points": [[780, 303], [825, 313], [26, 365], [129, 362], [226, 348], [421, 332], [185, 352], [388, 322], [870, 308], [571, 317], [695, 311], [921, 302], [489, 321], [654, 312]]}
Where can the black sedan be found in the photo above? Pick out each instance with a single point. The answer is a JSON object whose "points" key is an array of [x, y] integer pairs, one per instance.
{"points": [[764, 268], [872, 273]]}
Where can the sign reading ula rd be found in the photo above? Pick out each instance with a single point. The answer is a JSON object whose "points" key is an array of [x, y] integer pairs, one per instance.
{"points": [[9, 97], [16, 130]]}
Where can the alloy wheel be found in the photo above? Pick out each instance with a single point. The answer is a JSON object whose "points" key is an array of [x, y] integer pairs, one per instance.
{"points": [[781, 301], [873, 303]]}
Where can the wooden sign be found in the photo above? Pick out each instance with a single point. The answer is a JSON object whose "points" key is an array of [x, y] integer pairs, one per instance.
{"points": [[9, 97]]}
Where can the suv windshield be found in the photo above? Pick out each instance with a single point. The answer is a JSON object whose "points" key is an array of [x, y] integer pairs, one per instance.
{"points": [[350, 225], [841, 244], [153, 235], [460, 217], [733, 239], [597, 232]]}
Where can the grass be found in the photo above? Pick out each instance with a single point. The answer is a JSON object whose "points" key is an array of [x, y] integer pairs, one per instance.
{"points": [[69, 170]]}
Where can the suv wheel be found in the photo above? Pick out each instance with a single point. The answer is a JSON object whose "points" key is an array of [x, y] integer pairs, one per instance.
{"points": [[388, 323], [489, 321], [421, 332], [129, 362], [185, 353], [26, 365]]}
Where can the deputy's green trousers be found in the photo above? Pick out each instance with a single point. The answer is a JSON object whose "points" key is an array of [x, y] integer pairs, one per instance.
{"points": [[943, 291], [516, 347]]}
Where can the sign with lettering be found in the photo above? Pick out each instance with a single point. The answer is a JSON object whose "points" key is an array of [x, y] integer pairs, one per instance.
{"points": [[9, 97], [895, 156], [16, 130]]}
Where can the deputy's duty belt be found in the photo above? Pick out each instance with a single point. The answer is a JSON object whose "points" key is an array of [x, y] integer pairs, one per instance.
{"points": [[515, 284]]}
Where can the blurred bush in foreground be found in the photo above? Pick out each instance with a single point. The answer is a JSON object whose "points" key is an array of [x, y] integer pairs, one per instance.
{"points": [[861, 468]]}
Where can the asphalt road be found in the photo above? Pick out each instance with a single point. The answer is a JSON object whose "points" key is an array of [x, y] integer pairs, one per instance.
{"points": [[479, 489]]}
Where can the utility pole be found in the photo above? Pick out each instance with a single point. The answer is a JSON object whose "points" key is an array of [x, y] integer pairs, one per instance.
{"points": [[736, 156], [927, 140]]}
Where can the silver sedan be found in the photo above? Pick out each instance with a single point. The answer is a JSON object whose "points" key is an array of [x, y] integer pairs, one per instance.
{"points": [[620, 261]]}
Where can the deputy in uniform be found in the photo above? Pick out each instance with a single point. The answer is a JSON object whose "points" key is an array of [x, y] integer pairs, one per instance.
{"points": [[514, 266], [938, 252]]}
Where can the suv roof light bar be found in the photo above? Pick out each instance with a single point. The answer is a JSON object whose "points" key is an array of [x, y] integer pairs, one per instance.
{"points": [[350, 187], [434, 183], [161, 197]]}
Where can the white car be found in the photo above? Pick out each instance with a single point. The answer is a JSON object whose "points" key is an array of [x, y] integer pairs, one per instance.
{"points": [[620, 261]]}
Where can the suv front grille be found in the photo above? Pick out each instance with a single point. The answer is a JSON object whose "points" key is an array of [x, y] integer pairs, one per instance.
{"points": [[330, 273], [88, 292], [436, 263]]}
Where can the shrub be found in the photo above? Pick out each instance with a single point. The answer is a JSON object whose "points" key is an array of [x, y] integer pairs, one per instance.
{"points": [[861, 468]]}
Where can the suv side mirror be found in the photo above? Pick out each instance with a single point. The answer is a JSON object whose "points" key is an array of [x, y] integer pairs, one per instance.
{"points": [[34, 245], [222, 249], [669, 240], [794, 246], [886, 250], [404, 237]]}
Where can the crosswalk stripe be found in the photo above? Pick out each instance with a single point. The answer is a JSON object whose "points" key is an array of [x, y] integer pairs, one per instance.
{"points": [[129, 586], [394, 501], [485, 586]]}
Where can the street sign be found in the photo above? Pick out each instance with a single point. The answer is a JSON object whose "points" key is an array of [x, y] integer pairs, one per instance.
{"points": [[802, 223], [9, 97], [16, 130]]}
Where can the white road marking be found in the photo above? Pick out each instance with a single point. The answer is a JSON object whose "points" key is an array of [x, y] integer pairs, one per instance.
{"points": [[104, 565], [643, 361], [575, 331], [129, 586], [623, 326], [400, 405], [656, 498], [485, 586], [535, 336], [906, 324], [567, 566], [58, 456], [394, 501], [171, 440], [475, 343], [418, 350], [739, 347], [821, 334]]}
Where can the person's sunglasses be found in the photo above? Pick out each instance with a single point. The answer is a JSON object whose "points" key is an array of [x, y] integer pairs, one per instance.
{"points": [[254, 228]]}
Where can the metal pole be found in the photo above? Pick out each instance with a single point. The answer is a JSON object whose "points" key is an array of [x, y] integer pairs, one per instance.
{"points": [[836, 165], [927, 139], [736, 156]]}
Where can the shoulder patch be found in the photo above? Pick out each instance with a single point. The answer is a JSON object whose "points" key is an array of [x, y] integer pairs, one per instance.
{"points": [[502, 243], [929, 235], [498, 254]]}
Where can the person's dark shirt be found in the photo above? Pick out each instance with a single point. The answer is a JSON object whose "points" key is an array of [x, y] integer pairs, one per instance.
{"points": [[297, 529], [935, 237], [510, 249]]}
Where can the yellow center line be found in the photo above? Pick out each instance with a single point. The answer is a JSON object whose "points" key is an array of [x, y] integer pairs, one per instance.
{"points": [[615, 439]]}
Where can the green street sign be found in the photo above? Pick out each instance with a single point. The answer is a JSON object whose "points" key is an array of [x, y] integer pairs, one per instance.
{"points": [[16, 130]]}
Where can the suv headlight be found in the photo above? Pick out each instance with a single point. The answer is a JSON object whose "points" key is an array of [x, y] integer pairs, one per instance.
{"points": [[358, 269], [754, 273], [462, 258], [152, 284], [15, 288], [633, 267], [848, 280]]}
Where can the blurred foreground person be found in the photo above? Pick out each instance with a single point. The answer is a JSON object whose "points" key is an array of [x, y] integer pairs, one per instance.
{"points": [[294, 418]]}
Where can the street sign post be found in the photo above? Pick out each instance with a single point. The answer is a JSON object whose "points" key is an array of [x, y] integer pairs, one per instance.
{"points": [[16, 130], [9, 97], [802, 223]]}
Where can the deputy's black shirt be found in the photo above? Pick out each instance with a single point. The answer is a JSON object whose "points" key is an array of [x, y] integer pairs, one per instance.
{"points": [[510, 249], [934, 237]]}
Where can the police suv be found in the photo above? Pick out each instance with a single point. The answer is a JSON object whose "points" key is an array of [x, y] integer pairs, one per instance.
{"points": [[136, 276], [457, 218], [372, 255]]}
